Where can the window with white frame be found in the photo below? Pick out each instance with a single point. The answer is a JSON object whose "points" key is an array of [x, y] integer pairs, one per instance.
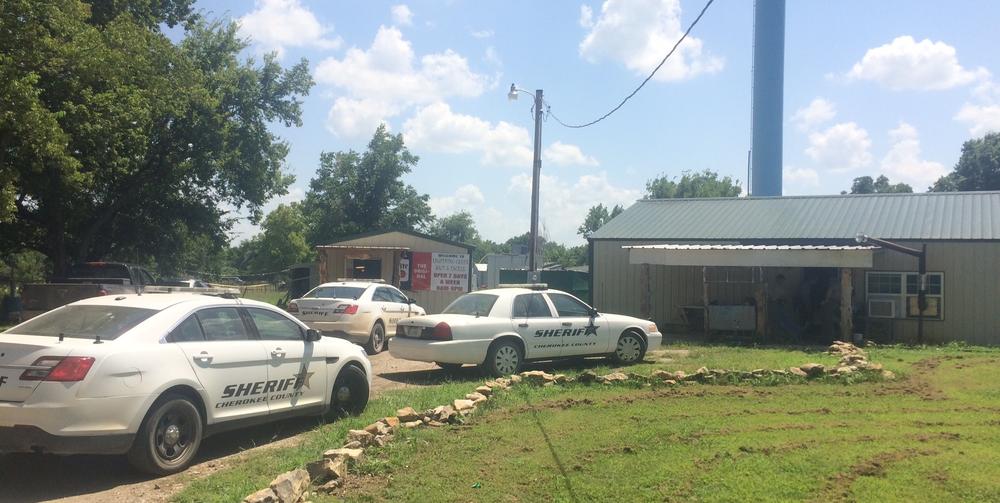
{"points": [[894, 294]]}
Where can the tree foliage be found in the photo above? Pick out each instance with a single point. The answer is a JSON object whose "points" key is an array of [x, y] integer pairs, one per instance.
{"points": [[978, 167], [880, 185], [282, 242], [596, 217], [121, 144], [354, 193], [458, 227], [698, 184]]}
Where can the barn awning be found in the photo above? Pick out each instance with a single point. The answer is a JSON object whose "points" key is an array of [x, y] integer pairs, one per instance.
{"points": [[752, 255]]}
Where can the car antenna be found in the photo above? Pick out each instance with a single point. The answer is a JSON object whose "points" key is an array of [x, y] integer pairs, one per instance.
{"points": [[61, 335], [98, 340]]}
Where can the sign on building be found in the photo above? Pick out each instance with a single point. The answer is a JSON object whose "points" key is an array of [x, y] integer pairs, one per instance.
{"points": [[438, 272]]}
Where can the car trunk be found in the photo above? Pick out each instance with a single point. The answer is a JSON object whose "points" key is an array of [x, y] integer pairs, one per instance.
{"points": [[320, 309], [17, 354]]}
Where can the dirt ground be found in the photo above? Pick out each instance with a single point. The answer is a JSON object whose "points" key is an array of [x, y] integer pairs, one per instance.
{"points": [[30, 477]]}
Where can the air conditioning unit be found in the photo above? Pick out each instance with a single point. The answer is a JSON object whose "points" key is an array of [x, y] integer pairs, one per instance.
{"points": [[881, 308]]}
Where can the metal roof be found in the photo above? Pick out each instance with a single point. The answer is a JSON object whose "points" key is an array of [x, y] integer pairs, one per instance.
{"points": [[753, 255], [929, 216]]}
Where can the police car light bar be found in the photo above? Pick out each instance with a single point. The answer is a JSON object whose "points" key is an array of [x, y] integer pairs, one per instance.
{"points": [[361, 280], [187, 289], [532, 286]]}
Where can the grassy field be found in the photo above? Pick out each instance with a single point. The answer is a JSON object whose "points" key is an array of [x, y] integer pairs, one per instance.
{"points": [[930, 435]]}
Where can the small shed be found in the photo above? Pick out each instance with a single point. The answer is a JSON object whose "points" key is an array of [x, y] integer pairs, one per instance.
{"points": [[796, 262], [432, 271]]}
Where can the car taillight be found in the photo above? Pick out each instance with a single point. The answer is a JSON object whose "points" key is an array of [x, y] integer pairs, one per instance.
{"points": [[54, 368], [441, 332], [346, 309], [292, 307]]}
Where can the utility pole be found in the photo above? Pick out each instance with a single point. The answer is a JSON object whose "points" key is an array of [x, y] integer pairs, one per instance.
{"points": [[535, 179]]}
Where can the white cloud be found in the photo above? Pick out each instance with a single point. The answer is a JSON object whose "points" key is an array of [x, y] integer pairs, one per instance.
{"points": [[467, 197], [903, 163], [805, 177], [982, 119], [905, 64], [564, 154], [817, 112], [638, 33], [402, 15], [586, 17], [277, 24], [481, 33], [564, 204], [351, 118], [491, 57], [436, 128], [390, 79], [841, 147]]}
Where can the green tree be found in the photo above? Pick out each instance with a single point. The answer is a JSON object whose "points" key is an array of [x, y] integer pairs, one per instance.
{"points": [[596, 217], [698, 184], [458, 227], [881, 185], [283, 240], [978, 167], [355, 193], [122, 144]]}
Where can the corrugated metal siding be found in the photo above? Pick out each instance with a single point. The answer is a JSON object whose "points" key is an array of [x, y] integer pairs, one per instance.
{"points": [[432, 302], [971, 277], [932, 216]]}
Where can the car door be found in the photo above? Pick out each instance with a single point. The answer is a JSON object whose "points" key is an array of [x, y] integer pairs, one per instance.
{"points": [[533, 320], [296, 373], [392, 311], [406, 309], [230, 364], [582, 334]]}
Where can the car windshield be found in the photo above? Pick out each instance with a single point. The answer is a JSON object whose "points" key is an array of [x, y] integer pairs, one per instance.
{"points": [[473, 304], [85, 322], [336, 292]]}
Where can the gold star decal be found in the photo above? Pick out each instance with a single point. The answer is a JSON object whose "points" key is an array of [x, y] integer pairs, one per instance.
{"points": [[302, 379]]}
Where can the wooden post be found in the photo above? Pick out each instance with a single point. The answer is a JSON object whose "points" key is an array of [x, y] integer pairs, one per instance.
{"points": [[704, 296], [846, 307], [645, 306]]}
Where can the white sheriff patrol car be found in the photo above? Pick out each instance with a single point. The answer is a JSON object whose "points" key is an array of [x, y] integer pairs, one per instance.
{"points": [[502, 328], [151, 375], [361, 311]]}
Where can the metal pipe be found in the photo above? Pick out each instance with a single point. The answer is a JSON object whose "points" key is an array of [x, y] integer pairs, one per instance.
{"points": [[768, 96], [536, 174]]}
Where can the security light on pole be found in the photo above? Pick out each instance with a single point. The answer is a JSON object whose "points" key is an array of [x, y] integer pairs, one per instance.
{"points": [[536, 172]]}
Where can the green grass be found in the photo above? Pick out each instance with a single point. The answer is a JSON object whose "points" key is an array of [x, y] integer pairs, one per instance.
{"points": [[930, 435], [268, 297]]}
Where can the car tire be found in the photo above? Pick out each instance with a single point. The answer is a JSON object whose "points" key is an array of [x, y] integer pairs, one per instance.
{"points": [[376, 339], [169, 437], [349, 396], [503, 358], [449, 367], [630, 349]]}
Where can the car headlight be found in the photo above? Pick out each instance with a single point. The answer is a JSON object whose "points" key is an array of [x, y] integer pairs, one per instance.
{"points": [[651, 328]]}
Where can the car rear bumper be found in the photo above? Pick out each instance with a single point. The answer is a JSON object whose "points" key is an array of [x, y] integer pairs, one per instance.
{"points": [[23, 438], [49, 411], [423, 350], [351, 331]]}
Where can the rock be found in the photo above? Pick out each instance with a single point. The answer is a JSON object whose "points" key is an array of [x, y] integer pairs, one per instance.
{"points": [[560, 378], [701, 370], [612, 377], [632, 376], [500, 383], [262, 496], [463, 405], [289, 486], [845, 370], [443, 413], [435, 424], [353, 445], [874, 366], [326, 469], [662, 375], [537, 377], [484, 390], [407, 414], [412, 424], [345, 453], [798, 372], [779, 372], [361, 436], [330, 486], [391, 421], [515, 378], [476, 397], [813, 369], [377, 428], [587, 377], [888, 375], [680, 375], [382, 440]]}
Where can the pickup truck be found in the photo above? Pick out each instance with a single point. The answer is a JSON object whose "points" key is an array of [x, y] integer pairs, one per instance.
{"points": [[86, 279]]}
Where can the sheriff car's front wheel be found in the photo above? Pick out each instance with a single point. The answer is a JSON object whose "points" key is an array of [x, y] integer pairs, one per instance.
{"points": [[169, 436], [350, 393]]}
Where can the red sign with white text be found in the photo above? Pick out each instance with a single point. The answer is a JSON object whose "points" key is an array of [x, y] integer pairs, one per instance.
{"points": [[420, 271]]}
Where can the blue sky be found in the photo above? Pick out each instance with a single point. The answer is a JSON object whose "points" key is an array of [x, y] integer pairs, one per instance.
{"points": [[889, 87]]}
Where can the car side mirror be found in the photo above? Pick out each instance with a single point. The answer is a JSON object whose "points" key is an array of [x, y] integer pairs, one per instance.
{"points": [[313, 335], [411, 300], [593, 312]]}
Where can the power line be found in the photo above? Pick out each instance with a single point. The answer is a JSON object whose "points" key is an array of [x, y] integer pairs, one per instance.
{"points": [[633, 93]]}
